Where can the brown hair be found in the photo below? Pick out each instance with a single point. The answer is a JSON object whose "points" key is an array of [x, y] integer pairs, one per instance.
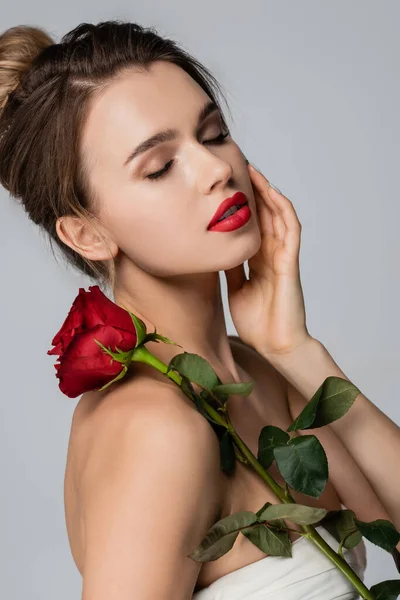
{"points": [[45, 88]]}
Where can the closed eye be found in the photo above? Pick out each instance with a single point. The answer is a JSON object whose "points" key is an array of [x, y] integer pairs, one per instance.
{"points": [[157, 174]]}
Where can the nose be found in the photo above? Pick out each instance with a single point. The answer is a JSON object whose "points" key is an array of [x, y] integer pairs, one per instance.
{"points": [[211, 170]]}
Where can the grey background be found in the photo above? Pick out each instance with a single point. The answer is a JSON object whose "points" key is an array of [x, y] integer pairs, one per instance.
{"points": [[314, 91]]}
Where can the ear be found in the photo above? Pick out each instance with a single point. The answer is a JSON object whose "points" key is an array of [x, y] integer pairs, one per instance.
{"points": [[85, 238]]}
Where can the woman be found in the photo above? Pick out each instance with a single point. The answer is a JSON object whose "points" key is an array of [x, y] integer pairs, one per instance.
{"points": [[115, 141]]}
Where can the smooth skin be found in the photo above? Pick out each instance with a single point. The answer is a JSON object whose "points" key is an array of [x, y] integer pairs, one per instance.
{"points": [[167, 262], [139, 515], [143, 464], [150, 490], [268, 308], [268, 311]]}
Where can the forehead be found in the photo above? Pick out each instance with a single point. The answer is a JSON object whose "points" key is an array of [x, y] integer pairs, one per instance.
{"points": [[136, 105]]}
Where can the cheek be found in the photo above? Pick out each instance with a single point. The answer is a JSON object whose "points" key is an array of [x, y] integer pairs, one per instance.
{"points": [[163, 242]]}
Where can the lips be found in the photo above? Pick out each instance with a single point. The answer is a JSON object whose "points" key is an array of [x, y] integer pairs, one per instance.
{"points": [[237, 198]]}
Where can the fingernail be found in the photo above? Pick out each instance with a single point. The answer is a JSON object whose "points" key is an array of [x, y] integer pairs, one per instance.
{"points": [[275, 188]]}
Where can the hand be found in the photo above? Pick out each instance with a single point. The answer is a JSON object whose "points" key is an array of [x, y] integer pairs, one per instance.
{"points": [[268, 308]]}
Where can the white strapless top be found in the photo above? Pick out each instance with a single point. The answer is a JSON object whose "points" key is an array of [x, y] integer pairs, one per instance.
{"points": [[306, 575]]}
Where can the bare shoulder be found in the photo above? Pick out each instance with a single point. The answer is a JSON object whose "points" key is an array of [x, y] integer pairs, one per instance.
{"points": [[150, 489], [143, 414], [146, 409]]}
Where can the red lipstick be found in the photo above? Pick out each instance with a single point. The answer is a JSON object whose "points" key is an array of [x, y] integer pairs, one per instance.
{"points": [[239, 218]]}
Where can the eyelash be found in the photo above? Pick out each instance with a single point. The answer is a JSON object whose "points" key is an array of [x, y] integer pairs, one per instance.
{"points": [[218, 140]]}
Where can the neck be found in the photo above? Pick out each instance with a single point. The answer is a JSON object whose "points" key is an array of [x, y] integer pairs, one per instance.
{"points": [[186, 309]]}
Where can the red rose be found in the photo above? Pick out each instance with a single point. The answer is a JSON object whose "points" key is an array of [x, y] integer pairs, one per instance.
{"points": [[83, 365]]}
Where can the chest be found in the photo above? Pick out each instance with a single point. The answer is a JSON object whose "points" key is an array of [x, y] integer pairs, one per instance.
{"points": [[244, 490]]}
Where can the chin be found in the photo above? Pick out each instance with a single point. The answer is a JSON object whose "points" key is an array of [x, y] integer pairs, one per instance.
{"points": [[250, 247]]}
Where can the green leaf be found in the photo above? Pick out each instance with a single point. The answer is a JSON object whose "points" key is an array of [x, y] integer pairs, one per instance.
{"points": [[329, 522], [140, 328], [119, 376], [303, 464], [277, 523], [298, 513], [219, 547], [210, 400], [306, 418], [386, 590], [227, 453], [155, 337], [330, 402], [341, 524], [270, 436], [264, 506], [242, 388], [119, 355], [347, 529], [274, 543], [188, 390], [196, 369], [221, 537], [213, 400], [380, 532]]}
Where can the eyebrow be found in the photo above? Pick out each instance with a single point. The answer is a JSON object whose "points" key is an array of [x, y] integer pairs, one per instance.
{"points": [[169, 134]]}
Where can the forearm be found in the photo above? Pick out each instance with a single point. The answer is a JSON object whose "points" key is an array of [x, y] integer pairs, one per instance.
{"points": [[370, 436]]}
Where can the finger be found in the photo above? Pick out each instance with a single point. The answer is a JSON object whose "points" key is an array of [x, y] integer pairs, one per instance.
{"points": [[264, 215], [277, 226], [279, 204], [293, 225], [285, 207], [262, 185]]}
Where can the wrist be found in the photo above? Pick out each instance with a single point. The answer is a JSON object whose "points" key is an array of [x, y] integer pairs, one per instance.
{"points": [[307, 345], [306, 367]]}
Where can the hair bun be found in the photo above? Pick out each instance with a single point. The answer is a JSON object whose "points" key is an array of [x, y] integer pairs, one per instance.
{"points": [[19, 46]]}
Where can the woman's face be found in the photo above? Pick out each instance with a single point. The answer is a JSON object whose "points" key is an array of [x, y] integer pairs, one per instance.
{"points": [[161, 223]]}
